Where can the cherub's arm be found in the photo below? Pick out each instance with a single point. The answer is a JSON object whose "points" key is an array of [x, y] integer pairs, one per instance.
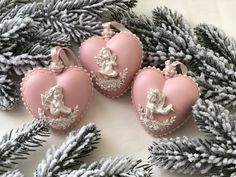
{"points": [[161, 100], [114, 59]]}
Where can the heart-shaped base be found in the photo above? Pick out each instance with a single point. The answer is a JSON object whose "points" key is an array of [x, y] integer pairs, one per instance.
{"points": [[113, 62], [163, 103], [60, 98]]}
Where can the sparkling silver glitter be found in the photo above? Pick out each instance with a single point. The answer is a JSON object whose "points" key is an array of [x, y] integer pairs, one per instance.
{"points": [[113, 83], [60, 123], [155, 125]]}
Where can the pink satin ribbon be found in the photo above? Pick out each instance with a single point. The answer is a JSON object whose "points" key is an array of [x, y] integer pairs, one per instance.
{"points": [[59, 54], [108, 32], [170, 68], [116, 25]]}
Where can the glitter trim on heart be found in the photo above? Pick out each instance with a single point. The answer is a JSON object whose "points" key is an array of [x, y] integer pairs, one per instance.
{"points": [[155, 105], [106, 61], [52, 100]]}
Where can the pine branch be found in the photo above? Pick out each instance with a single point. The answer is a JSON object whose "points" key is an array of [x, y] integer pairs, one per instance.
{"points": [[29, 29], [131, 3], [218, 65], [30, 55], [79, 19], [25, 45], [168, 36], [215, 121], [8, 93], [118, 167], [214, 156], [165, 37], [189, 156], [14, 173], [18, 144], [154, 51], [77, 145], [223, 174], [177, 36], [215, 39], [216, 78], [206, 66], [10, 32], [8, 5]]}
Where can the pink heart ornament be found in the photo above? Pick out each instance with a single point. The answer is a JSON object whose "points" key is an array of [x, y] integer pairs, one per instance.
{"points": [[163, 100], [112, 59], [61, 98]]}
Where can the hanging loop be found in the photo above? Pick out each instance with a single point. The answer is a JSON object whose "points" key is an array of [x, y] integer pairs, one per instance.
{"points": [[60, 59], [170, 68], [108, 32]]}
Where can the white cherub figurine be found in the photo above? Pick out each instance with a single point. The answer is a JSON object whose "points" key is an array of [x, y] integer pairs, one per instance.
{"points": [[106, 61], [155, 103], [53, 100]]}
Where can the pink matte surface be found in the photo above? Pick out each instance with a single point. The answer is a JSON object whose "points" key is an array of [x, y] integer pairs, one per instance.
{"points": [[76, 84], [180, 91], [128, 50]]}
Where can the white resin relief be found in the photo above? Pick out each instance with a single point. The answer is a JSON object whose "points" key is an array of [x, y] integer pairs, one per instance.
{"points": [[156, 102], [156, 105], [52, 101], [106, 62]]}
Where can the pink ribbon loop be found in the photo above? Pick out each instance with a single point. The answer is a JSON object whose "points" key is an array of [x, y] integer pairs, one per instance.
{"points": [[109, 32], [116, 25], [170, 68], [59, 54]]}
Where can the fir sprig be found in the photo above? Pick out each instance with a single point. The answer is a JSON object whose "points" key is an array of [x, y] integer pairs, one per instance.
{"points": [[8, 93], [29, 29], [77, 145], [168, 36], [18, 144], [215, 39], [79, 19], [212, 156], [215, 121], [118, 167], [165, 36], [14, 173], [66, 160]]}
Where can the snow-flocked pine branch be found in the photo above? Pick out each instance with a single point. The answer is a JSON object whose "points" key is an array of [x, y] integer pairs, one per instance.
{"points": [[18, 144], [165, 36], [14, 173], [212, 156], [29, 29], [215, 39], [217, 73], [168, 36], [118, 167], [8, 93], [214, 121], [80, 19], [77, 145]]}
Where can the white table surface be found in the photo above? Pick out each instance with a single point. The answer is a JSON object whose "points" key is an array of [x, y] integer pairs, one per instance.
{"points": [[122, 135]]}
